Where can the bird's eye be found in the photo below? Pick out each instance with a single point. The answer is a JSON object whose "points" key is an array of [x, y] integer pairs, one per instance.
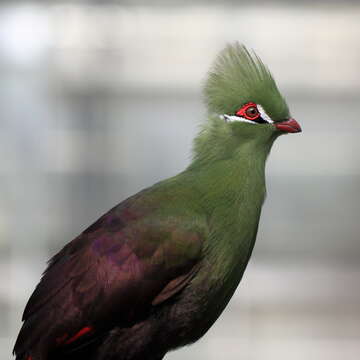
{"points": [[252, 112], [249, 111]]}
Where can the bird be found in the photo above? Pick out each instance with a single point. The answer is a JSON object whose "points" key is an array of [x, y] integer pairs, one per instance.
{"points": [[156, 271]]}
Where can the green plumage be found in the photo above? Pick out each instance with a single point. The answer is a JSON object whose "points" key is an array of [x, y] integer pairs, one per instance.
{"points": [[157, 270], [221, 193], [237, 77]]}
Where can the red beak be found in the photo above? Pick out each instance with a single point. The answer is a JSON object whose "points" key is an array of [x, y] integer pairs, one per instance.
{"points": [[289, 126]]}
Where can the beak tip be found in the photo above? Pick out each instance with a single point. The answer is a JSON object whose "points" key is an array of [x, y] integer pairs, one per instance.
{"points": [[289, 126]]}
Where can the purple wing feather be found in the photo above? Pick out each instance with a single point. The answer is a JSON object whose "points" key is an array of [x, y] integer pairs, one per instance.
{"points": [[112, 273]]}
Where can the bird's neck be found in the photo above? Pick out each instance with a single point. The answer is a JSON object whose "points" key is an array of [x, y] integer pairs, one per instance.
{"points": [[217, 144], [233, 184], [229, 170], [232, 193]]}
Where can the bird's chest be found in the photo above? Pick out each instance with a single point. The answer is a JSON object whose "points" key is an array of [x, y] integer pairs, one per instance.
{"points": [[229, 250], [232, 224], [225, 269]]}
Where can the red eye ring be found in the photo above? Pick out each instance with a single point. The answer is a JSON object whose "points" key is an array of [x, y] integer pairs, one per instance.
{"points": [[249, 111]]}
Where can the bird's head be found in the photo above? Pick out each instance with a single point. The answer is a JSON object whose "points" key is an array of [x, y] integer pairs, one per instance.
{"points": [[246, 110], [242, 93]]}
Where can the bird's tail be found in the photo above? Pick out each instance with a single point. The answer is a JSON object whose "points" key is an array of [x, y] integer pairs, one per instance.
{"points": [[30, 342], [33, 354], [26, 356]]}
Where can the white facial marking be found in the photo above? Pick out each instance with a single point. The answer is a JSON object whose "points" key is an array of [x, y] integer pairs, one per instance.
{"points": [[231, 118], [264, 115]]}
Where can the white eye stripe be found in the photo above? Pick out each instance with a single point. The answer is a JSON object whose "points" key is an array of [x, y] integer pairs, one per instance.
{"points": [[231, 118], [263, 114]]}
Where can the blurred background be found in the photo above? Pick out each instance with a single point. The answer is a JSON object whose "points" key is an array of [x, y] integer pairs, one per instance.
{"points": [[99, 99]]}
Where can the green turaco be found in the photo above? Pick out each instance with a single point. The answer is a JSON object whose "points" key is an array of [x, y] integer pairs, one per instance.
{"points": [[156, 271]]}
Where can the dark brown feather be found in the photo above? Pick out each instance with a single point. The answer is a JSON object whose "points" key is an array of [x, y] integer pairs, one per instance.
{"points": [[111, 275]]}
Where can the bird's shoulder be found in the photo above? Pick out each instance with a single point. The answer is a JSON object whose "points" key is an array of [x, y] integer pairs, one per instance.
{"points": [[136, 256], [143, 239]]}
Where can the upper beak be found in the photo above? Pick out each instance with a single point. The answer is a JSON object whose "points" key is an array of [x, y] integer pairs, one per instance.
{"points": [[289, 126]]}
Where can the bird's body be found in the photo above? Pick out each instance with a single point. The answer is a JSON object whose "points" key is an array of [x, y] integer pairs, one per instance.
{"points": [[156, 271]]}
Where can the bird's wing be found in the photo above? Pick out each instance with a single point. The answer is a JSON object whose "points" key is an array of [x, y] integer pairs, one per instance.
{"points": [[113, 273]]}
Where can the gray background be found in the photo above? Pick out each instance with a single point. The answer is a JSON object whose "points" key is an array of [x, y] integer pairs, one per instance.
{"points": [[100, 99]]}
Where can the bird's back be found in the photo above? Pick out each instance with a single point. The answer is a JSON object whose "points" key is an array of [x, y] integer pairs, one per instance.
{"points": [[115, 274]]}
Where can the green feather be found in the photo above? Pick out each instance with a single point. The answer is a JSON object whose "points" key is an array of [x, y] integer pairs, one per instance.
{"points": [[158, 269], [239, 76]]}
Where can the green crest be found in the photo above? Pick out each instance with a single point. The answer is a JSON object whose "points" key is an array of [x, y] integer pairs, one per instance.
{"points": [[238, 77]]}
